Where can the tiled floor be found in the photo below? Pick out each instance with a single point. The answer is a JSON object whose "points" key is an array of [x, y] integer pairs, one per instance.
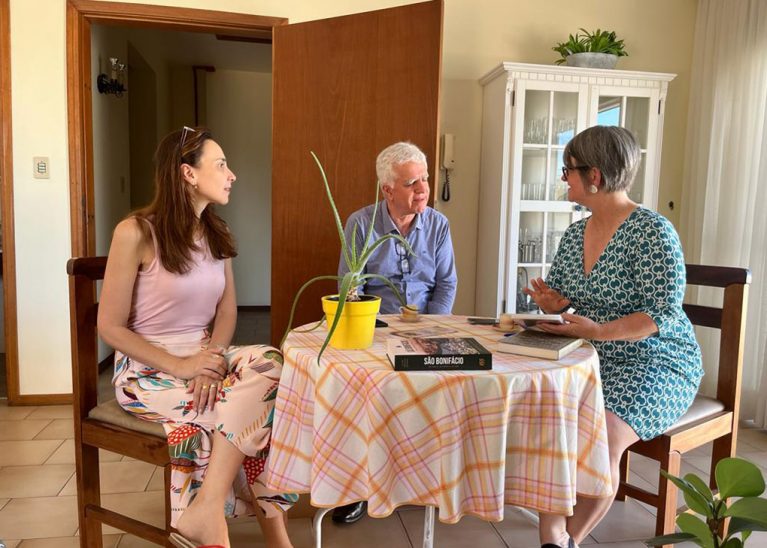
{"points": [[38, 506], [37, 498]]}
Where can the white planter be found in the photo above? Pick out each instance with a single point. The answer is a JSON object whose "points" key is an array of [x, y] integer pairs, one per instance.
{"points": [[592, 60]]}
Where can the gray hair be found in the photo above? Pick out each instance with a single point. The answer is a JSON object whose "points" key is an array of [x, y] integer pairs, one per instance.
{"points": [[396, 155], [613, 150]]}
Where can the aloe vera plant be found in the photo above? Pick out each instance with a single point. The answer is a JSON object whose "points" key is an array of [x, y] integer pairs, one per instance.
{"points": [[599, 41], [355, 259], [735, 477]]}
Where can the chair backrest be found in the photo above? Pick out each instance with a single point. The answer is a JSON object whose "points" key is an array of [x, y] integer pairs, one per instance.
{"points": [[730, 319], [84, 272]]}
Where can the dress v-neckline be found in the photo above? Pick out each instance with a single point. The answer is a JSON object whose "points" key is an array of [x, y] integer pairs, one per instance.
{"points": [[587, 275]]}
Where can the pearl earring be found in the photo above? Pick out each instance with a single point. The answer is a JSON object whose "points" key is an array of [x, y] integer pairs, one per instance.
{"points": [[593, 189]]}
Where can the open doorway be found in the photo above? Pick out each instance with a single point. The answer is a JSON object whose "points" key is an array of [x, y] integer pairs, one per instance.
{"points": [[176, 79]]}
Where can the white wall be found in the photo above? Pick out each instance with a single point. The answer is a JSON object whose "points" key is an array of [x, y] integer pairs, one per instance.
{"points": [[41, 206], [239, 107], [477, 36]]}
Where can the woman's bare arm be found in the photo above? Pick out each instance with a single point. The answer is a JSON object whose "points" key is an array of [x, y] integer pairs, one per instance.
{"points": [[226, 312]]}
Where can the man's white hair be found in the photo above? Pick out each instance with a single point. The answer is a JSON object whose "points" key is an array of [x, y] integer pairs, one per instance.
{"points": [[396, 155]]}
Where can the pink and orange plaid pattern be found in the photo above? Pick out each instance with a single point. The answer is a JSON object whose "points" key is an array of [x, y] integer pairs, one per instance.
{"points": [[529, 433]]}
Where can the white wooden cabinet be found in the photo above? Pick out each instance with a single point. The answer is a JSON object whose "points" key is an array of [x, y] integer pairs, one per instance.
{"points": [[529, 114]]}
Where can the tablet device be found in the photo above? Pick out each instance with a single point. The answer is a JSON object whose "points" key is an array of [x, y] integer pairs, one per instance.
{"points": [[530, 320]]}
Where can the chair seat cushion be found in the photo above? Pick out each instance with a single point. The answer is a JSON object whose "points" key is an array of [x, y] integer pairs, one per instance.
{"points": [[702, 407], [112, 413]]}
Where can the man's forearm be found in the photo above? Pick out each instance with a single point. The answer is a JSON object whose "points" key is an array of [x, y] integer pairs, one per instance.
{"points": [[442, 300]]}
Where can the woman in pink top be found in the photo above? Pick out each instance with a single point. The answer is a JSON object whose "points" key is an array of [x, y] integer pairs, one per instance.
{"points": [[168, 308]]}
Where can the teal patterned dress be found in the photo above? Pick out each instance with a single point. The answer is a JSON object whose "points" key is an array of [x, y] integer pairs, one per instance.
{"points": [[648, 383]]}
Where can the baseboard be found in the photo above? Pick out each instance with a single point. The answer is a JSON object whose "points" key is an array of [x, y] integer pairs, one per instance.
{"points": [[41, 399], [254, 308]]}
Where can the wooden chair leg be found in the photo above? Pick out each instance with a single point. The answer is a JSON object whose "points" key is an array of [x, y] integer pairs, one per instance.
{"points": [[168, 528], [623, 467], [722, 448], [665, 522], [88, 493]]}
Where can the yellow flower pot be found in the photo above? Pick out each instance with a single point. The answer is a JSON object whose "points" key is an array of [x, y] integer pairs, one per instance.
{"points": [[356, 327]]}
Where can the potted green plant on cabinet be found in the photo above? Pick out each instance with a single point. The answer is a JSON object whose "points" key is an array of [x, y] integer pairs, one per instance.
{"points": [[735, 477], [598, 49], [351, 320]]}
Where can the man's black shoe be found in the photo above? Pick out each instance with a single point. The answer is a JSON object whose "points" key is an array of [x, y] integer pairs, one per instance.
{"points": [[350, 513]]}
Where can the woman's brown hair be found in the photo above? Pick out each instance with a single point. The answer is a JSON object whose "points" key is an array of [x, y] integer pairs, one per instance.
{"points": [[172, 209]]}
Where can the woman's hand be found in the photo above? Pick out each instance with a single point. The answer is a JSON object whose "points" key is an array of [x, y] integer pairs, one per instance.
{"points": [[205, 389], [577, 326], [208, 362], [547, 299]]}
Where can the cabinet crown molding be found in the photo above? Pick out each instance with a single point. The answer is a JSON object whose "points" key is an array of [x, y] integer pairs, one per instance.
{"points": [[556, 73]]}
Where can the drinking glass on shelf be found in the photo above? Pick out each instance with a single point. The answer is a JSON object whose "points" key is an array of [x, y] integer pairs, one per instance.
{"points": [[552, 244], [560, 191], [523, 300], [536, 130], [533, 191]]}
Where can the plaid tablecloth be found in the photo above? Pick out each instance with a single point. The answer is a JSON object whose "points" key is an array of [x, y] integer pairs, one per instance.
{"points": [[529, 433]]}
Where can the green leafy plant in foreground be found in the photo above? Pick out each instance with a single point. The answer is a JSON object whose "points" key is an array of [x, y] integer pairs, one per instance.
{"points": [[355, 259], [599, 41], [735, 477]]}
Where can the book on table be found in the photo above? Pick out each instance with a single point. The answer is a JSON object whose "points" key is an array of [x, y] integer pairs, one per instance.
{"points": [[538, 344], [438, 354]]}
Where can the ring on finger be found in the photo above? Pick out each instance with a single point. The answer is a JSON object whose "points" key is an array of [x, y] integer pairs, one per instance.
{"points": [[205, 386], [214, 386]]}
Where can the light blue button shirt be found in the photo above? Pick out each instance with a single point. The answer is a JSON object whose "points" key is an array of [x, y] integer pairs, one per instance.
{"points": [[431, 281]]}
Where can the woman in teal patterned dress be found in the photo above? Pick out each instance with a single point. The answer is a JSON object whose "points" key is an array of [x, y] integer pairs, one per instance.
{"points": [[623, 273]]}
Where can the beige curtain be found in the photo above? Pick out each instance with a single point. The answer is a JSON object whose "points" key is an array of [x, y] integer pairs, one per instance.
{"points": [[724, 199]]}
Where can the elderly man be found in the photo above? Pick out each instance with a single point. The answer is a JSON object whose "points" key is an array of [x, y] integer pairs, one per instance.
{"points": [[427, 278]]}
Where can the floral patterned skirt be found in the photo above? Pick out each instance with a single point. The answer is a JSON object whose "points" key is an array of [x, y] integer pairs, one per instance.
{"points": [[243, 415]]}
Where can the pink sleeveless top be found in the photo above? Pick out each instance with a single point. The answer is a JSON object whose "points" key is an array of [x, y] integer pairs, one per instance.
{"points": [[165, 303]]}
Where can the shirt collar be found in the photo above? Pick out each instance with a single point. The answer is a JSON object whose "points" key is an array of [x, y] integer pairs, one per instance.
{"points": [[389, 225]]}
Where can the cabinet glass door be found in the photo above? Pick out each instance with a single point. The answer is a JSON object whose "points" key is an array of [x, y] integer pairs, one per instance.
{"points": [[550, 120], [549, 123], [633, 113], [540, 236]]}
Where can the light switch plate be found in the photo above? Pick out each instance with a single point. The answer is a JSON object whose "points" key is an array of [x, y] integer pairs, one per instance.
{"points": [[41, 167]]}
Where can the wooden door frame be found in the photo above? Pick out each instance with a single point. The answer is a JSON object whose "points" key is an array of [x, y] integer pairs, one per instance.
{"points": [[80, 15], [6, 182]]}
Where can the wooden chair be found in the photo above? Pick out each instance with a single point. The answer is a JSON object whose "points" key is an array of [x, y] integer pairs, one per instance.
{"points": [[105, 425], [708, 419]]}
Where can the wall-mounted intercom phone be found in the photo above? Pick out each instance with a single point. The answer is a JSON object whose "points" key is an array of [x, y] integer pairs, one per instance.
{"points": [[447, 163], [448, 151]]}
